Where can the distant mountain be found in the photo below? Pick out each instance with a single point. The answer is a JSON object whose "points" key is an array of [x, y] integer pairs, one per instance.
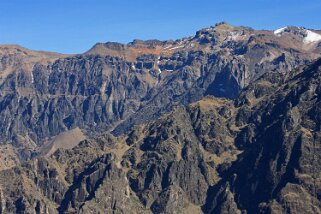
{"points": [[225, 121], [115, 86]]}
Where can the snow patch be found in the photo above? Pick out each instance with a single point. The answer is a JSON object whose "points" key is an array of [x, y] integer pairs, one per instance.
{"points": [[167, 47], [234, 36], [279, 31], [32, 78], [181, 46], [311, 37]]}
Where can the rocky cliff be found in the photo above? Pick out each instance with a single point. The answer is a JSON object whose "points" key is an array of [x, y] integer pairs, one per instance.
{"points": [[259, 153], [225, 121], [113, 86]]}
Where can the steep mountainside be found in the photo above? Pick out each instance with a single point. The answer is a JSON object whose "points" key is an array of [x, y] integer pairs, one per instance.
{"points": [[115, 86], [259, 153]]}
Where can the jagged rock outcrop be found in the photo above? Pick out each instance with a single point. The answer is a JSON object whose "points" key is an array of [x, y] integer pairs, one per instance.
{"points": [[279, 171], [162, 168], [258, 153], [115, 86]]}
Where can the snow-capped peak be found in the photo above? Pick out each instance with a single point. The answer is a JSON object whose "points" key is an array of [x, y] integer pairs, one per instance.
{"points": [[279, 31], [308, 35], [311, 37]]}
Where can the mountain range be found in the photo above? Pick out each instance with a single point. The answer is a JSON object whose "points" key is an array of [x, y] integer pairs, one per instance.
{"points": [[225, 121]]}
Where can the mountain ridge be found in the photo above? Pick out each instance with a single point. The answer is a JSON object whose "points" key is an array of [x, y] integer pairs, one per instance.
{"points": [[153, 41], [257, 153], [225, 121], [120, 86]]}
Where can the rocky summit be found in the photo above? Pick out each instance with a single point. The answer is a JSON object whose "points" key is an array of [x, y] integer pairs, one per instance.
{"points": [[225, 121]]}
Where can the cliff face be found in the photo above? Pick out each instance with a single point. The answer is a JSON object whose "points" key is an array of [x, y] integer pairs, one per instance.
{"points": [[279, 170], [259, 153], [226, 121], [113, 86]]}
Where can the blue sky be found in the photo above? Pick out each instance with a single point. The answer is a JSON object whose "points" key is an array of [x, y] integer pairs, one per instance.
{"points": [[73, 26]]}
